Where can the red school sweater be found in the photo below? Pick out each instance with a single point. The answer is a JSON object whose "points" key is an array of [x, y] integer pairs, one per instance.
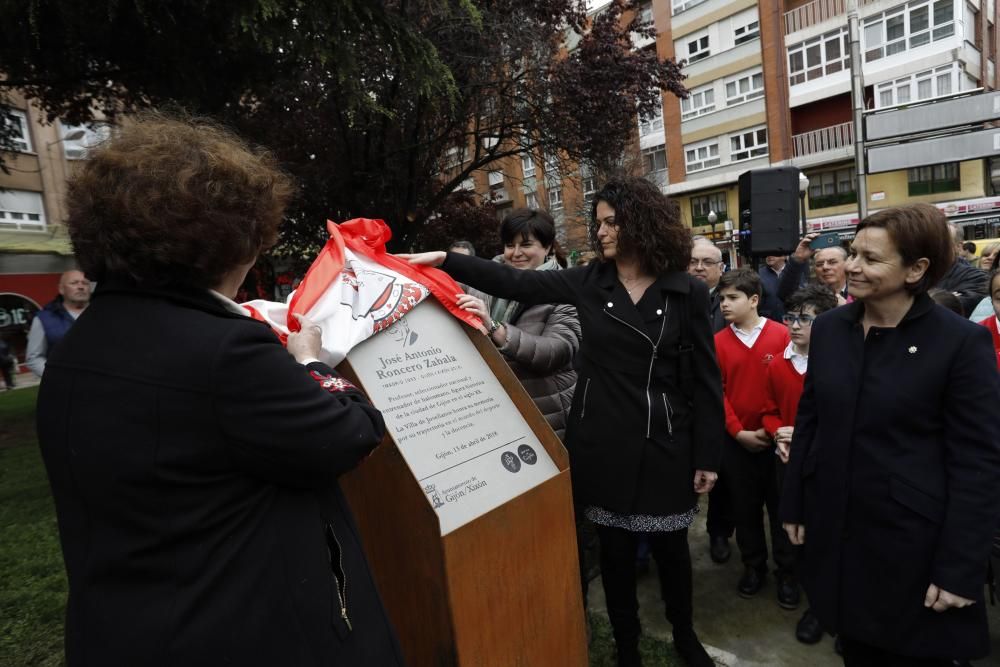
{"points": [[784, 389], [744, 374], [991, 324]]}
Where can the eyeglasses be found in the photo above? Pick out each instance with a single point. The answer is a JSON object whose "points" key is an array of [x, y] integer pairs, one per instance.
{"points": [[804, 320], [707, 263]]}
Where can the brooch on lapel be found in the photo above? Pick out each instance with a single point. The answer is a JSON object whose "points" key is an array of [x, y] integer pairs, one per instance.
{"points": [[912, 349]]}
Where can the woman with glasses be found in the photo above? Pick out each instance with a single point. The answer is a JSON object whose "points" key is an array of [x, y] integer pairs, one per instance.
{"points": [[645, 426], [893, 485]]}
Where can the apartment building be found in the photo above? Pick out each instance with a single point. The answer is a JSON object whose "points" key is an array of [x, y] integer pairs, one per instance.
{"points": [[34, 246], [770, 85]]}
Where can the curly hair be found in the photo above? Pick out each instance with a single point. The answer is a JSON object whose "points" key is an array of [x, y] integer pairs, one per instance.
{"points": [[649, 225], [174, 201]]}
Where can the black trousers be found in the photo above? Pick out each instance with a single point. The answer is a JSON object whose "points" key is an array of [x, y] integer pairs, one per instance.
{"points": [[673, 562], [720, 520], [753, 480], [859, 654], [7, 368]]}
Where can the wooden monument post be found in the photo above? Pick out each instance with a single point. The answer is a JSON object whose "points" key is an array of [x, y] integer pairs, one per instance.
{"points": [[465, 509]]}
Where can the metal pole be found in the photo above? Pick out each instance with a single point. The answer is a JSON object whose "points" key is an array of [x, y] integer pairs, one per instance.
{"points": [[858, 101]]}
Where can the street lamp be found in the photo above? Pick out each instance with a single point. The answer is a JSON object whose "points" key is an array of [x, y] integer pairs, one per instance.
{"points": [[712, 219], [803, 189], [72, 135]]}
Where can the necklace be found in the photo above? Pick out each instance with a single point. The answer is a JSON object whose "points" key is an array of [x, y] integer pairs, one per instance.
{"points": [[636, 282]]}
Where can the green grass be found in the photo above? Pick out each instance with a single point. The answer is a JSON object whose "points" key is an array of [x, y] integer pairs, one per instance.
{"points": [[33, 581]]}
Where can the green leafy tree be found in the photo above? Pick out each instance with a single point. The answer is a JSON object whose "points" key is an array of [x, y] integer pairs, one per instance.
{"points": [[362, 100]]}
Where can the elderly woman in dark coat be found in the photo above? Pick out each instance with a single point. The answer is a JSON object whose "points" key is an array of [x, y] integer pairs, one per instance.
{"points": [[194, 460], [645, 427], [894, 481]]}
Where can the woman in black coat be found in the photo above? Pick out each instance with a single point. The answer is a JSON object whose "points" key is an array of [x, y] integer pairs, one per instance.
{"points": [[646, 422], [194, 460], [894, 481]]}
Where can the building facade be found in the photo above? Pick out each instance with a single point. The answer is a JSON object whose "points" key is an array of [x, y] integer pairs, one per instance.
{"points": [[34, 246]]}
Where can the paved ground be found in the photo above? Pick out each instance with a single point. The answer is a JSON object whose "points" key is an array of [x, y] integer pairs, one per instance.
{"points": [[738, 632]]}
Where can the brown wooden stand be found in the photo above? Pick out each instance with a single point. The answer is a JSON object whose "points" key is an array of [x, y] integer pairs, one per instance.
{"points": [[501, 590]]}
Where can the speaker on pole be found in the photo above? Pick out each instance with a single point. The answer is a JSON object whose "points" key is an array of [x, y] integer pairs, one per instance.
{"points": [[769, 210]]}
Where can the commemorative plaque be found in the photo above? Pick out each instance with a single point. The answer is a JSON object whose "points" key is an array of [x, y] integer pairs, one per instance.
{"points": [[465, 442], [466, 509]]}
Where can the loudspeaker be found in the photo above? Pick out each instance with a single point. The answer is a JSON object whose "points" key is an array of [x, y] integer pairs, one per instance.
{"points": [[769, 210]]}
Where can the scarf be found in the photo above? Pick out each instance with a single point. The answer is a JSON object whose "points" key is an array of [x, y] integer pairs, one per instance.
{"points": [[501, 310]]}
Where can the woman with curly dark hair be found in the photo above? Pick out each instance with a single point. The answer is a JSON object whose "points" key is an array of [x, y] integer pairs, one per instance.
{"points": [[193, 459], [645, 427]]}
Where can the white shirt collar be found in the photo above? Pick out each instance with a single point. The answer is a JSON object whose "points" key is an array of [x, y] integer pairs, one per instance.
{"points": [[229, 304], [799, 361], [756, 328]]}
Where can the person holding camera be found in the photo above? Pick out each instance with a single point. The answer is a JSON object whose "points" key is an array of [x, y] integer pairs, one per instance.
{"points": [[829, 260]]}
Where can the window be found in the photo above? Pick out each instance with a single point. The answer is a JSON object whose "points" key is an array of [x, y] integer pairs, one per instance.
{"points": [[908, 27], [832, 188], [701, 205], [818, 57], [646, 12], [490, 141], [652, 123], [697, 49], [21, 138], [495, 178], [697, 103], [993, 176], [468, 185], [682, 5], [76, 149], [747, 33], [702, 156], [921, 86], [551, 163], [21, 210], [454, 156], [555, 199], [749, 144], [744, 87], [527, 166], [938, 178], [654, 161], [531, 200]]}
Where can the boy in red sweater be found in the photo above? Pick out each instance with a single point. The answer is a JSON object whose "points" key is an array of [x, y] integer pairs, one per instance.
{"points": [[745, 349], [785, 378], [993, 323]]}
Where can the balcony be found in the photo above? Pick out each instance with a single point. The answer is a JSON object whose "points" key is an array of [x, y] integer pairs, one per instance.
{"points": [[812, 13], [823, 139]]}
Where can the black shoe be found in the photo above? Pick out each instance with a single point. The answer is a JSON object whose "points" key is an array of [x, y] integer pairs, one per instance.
{"points": [[808, 630], [751, 582], [788, 592], [694, 654], [719, 548]]}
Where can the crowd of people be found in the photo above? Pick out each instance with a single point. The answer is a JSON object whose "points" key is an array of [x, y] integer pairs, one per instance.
{"points": [[194, 460]]}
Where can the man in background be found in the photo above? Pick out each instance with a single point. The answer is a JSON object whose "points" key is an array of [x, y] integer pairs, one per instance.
{"points": [[53, 321], [830, 264]]}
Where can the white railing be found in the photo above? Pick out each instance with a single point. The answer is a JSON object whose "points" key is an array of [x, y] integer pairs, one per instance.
{"points": [[823, 139], [812, 13]]}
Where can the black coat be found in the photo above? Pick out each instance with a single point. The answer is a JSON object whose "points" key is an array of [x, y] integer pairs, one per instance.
{"points": [[895, 473], [968, 282], [194, 466], [635, 436]]}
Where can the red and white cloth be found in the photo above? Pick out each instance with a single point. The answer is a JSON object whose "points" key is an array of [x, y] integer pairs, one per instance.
{"points": [[355, 289]]}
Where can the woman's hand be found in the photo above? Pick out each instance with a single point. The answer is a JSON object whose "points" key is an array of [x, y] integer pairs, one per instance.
{"points": [[796, 533], [307, 342], [783, 439], [940, 600], [704, 480], [435, 258], [474, 305]]}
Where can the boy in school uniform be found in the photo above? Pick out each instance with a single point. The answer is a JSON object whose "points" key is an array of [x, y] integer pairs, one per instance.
{"points": [[745, 349], [785, 379]]}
